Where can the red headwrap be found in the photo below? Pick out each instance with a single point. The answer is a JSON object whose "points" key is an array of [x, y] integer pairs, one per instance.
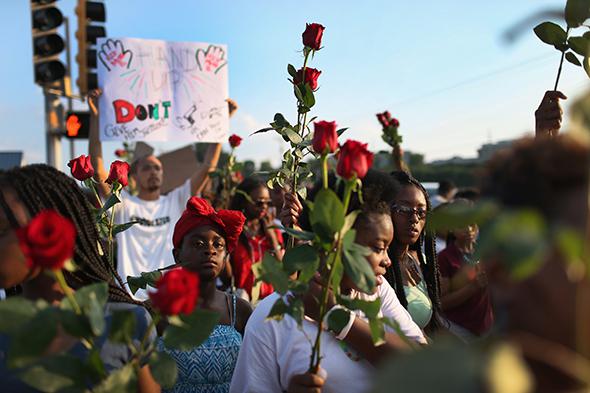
{"points": [[199, 212]]}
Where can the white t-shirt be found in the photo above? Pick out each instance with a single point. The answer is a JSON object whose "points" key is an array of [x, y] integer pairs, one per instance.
{"points": [[147, 246], [273, 351]]}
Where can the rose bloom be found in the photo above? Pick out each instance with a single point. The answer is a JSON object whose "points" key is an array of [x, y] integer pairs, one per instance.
{"points": [[312, 36], [119, 172], [177, 292], [81, 168], [235, 141], [48, 240], [354, 158], [383, 120], [394, 123], [311, 77], [121, 153], [325, 137]]}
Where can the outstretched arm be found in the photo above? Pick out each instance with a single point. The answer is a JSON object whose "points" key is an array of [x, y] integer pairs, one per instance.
{"points": [[95, 146]]}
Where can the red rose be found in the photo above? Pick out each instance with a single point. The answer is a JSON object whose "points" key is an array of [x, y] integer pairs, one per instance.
{"points": [[81, 167], [312, 36], [325, 137], [119, 172], [383, 120], [235, 141], [387, 115], [394, 123], [354, 158], [48, 240], [177, 292], [311, 77], [121, 153]]}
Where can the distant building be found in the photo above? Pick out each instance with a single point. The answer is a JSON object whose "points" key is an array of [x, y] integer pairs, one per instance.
{"points": [[486, 151], [11, 159]]}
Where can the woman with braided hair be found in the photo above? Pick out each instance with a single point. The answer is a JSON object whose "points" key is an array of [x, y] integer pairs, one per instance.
{"points": [[24, 193], [414, 275]]}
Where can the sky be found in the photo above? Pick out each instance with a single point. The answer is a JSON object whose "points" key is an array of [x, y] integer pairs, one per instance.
{"points": [[442, 68]]}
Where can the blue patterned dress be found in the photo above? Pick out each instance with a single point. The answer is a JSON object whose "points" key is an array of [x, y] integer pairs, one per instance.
{"points": [[209, 367]]}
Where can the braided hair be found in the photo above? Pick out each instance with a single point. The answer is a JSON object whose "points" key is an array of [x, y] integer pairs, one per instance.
{"points": [[42, 187], [428, 260]]}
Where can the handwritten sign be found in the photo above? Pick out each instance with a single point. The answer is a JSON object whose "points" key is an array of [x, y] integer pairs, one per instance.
{"points": [[162, 91]]}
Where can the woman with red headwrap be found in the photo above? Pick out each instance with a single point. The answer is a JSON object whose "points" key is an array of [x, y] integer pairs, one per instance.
{"points": [[203, 239]]}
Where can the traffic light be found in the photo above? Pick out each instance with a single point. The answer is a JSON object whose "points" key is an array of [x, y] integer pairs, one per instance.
{"points": [[88, 12], [77, 125], [47, 44]]}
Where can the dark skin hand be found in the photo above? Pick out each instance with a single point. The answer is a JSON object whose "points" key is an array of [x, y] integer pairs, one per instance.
{"points": [[307, 383], [549, 115]]}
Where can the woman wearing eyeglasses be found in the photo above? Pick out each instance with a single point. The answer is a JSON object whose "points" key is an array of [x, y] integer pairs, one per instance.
{"points": [[253, 199], [414, 275]]}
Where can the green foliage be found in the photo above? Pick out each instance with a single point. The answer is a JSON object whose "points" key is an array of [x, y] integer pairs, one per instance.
{"points": [[118, 228], [355, 263], [580, 45], [145, 279], [271, 271], [189, 331], [31, 341], [302, 258], [569, 56], [163, 368], [518, 239], [92, 300], [122, 327], [460, 216], [123, 380], [551, 33], [576, 12], [56, 373], [327, 215], [15, 312]]}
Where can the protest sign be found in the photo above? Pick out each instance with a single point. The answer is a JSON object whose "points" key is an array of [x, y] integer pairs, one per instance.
{"points": [[162, 91]]}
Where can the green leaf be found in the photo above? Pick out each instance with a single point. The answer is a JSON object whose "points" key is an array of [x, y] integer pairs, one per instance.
{"points": [[114, 198], [270, 271], [338, 319], [145, 279], [293, 307], [356, 266], [266, 129], [580, 45], [280, 121], [56, 373], [338, 272], [33, 338], [15, 312], [341, 131], [349, 221], [369, 307], [74, 324], [576, 12], [586, 64], [117, 228], [327, 215], [302, 235], [302, 192], [293, 136], [195, 329], [291, 70], [518, 239], [569, 56], [298, 93], [163, 368], [377, 328], [308, 97], [303, 258], [122, 327], [92, 300], [461, 215], [550, 33], [123, 380]]}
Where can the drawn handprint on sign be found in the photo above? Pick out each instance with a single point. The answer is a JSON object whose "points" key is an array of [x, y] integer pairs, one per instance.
{"points": [[212, 59], [112, 54]]}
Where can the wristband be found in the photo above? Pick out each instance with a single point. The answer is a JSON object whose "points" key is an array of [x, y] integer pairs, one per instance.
{"points": [[344, 332]]}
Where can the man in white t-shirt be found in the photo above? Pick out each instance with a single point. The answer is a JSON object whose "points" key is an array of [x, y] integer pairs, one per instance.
{"points": [[274, 351], [147, 246]]}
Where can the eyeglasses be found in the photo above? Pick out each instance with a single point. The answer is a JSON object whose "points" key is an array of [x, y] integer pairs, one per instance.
{"points": [[262, 202], [409, 211]]}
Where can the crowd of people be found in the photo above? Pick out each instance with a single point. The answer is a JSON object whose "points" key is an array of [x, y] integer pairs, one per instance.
{"points": [[431, 284]]}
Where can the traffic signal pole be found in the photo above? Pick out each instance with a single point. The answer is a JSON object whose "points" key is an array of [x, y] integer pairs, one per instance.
{"points": [[53, 120], [68, 78]]}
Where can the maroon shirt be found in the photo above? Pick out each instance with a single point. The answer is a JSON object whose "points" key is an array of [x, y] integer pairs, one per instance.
{"points": [[476, 313]]}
